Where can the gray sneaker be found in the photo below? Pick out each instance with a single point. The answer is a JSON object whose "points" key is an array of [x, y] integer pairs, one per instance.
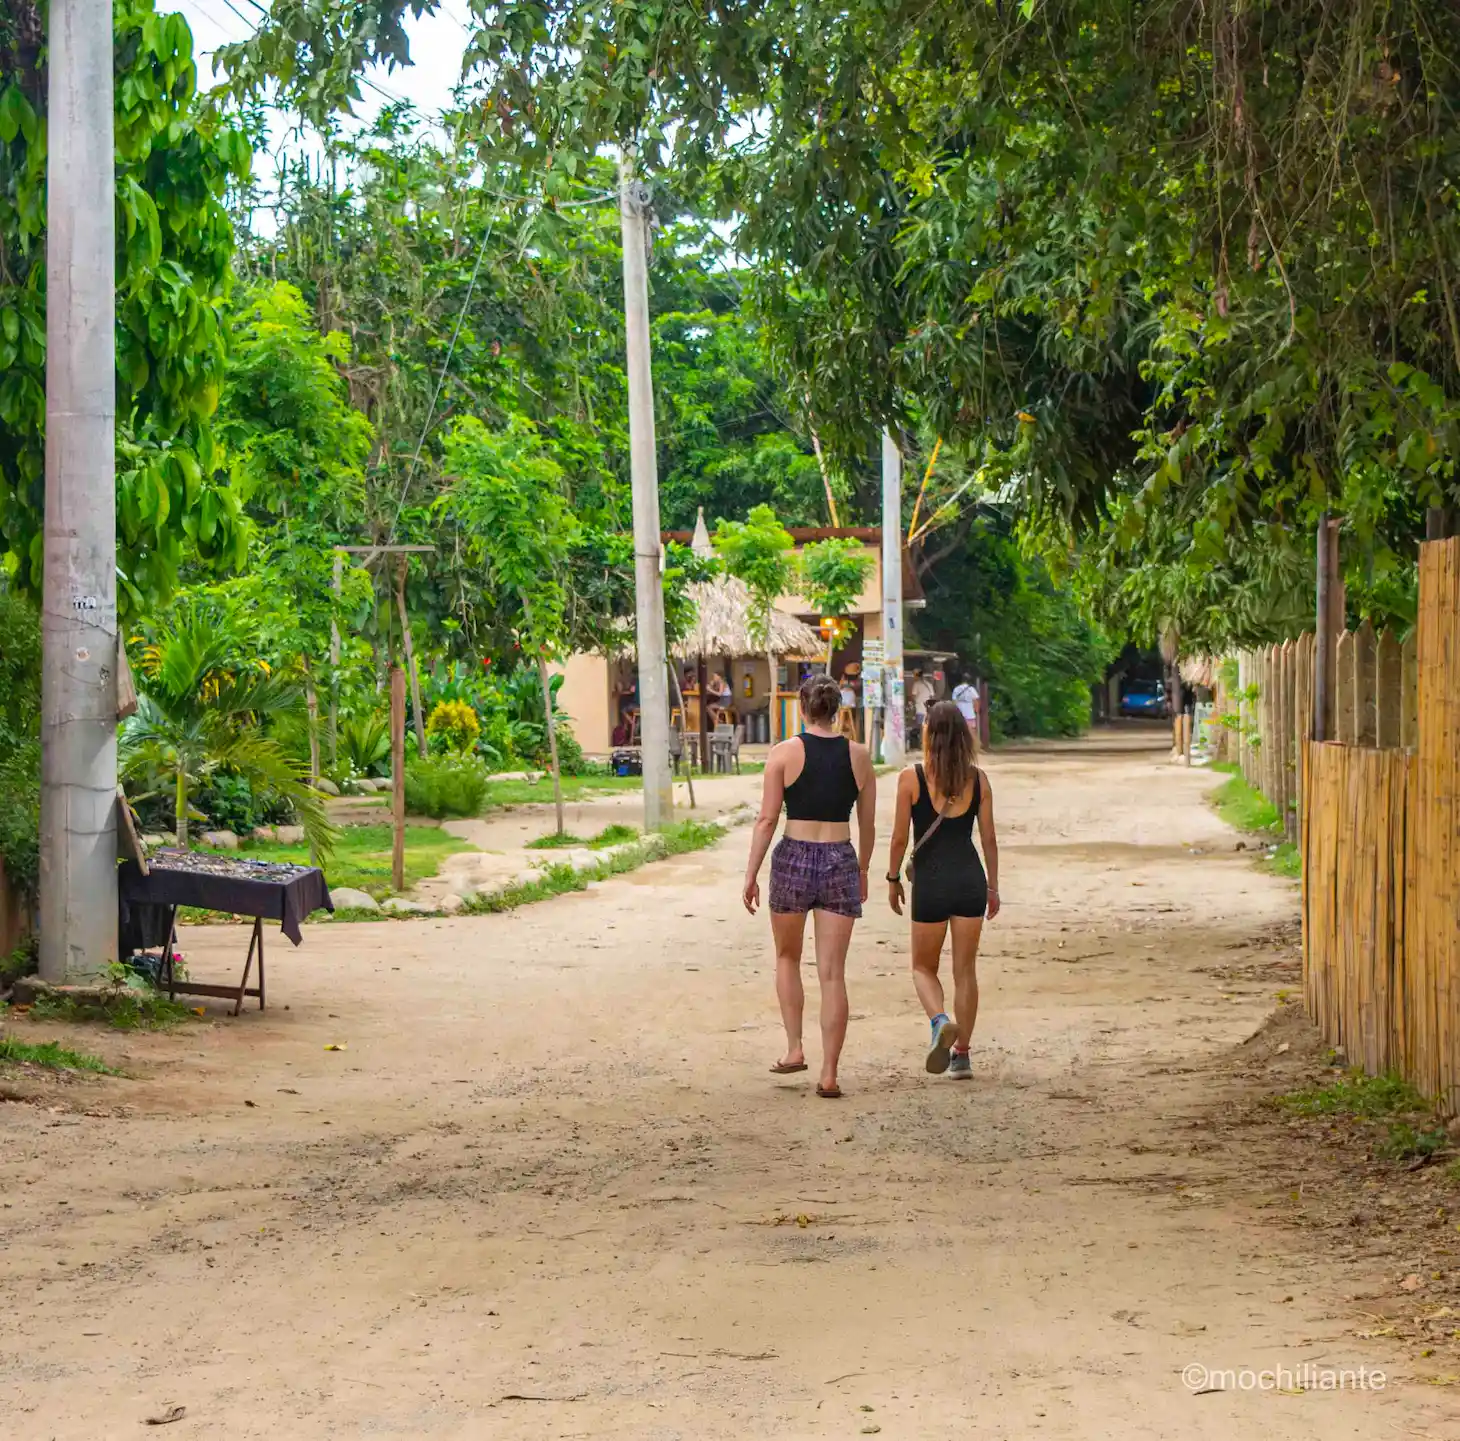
{"points": [[960, 1066], [944, 1035]]}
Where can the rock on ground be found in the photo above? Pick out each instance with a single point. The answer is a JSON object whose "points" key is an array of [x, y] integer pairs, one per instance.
{"points": [[348, 898], [223, 840]]}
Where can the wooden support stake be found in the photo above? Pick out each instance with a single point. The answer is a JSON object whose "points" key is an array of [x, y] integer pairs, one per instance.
{"points": [[1324, 676], [1345, 711], [1365, 725], [398, 776], [1409, 694], [1389, 685]]}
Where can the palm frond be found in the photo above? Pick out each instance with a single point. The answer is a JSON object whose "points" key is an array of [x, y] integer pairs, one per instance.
{"points": [[264, 764]]}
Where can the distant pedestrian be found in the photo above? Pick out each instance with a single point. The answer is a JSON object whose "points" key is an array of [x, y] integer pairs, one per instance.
{"points": [[820, 776], [939, 801], [965, 697]]}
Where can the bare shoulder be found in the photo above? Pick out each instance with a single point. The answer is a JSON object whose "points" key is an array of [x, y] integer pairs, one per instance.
{"points": [[907, 780], [786, 749], [861, 759], [984, 788]]}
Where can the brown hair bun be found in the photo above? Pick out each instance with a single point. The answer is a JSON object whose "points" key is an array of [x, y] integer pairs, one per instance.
{"points": [[821, 699]]}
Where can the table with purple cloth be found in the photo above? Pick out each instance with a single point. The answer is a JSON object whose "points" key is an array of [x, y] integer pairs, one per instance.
{"points": [[238, 885]]}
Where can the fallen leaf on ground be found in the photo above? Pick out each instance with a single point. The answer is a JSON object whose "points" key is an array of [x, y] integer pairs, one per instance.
{"points": [[334, 1046], [1411, 1283], [166, 1418]]}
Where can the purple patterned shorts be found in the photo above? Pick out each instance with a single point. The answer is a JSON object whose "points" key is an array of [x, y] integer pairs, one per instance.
{"points": [[815, 876]]}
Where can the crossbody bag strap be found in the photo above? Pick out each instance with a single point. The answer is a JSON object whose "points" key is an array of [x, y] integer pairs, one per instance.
{"points": [[931, 831]]}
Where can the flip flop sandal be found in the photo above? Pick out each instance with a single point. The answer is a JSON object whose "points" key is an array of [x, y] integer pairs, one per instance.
{"points": [[787, 1068], [834, 1094]]}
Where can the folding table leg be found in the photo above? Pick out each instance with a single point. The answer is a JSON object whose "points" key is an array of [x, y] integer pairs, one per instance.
{"points": [[261, 963], [169, 946], [256, 939]]}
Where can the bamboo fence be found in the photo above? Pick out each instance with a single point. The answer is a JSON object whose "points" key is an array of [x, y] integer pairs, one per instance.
{"points": [[1376, 814]]}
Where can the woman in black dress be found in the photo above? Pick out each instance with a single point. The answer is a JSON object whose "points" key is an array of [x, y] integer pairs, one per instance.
{"points": [[939, 801]]}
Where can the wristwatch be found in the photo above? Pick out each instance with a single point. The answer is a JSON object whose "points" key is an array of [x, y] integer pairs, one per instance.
{"points": [[895, 880]]}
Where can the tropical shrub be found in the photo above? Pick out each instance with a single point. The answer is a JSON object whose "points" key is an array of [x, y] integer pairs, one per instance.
{"points": [[20, 747], [447, 785], [453, 727], [202, 709], [364, 743]]}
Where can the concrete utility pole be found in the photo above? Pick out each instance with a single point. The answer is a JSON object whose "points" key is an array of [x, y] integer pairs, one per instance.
{"points": [[648, 554], [78, 837], [894, 736]]}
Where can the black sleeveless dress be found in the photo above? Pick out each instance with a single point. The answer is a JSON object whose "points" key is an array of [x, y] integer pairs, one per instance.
{"points": [[948, 878]]}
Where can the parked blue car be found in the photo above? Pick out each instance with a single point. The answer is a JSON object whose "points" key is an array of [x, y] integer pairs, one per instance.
{"points": [[1144, 698]]}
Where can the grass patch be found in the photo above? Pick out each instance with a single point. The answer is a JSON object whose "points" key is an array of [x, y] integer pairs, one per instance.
{"points": [[362, 856], [1406, 1142], [53, 1056], [675, 840], [1452, 1172], [1355, 1094], [127, 1010], [1406, 1126], [614, 835], [540, 792], [1245, 808], [1287, 861]]}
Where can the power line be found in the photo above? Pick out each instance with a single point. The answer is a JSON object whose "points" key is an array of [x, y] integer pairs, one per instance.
{"points": [[441, 379]]}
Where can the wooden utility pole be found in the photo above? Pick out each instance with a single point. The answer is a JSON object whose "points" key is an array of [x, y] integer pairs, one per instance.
{"points": [[367, 554], [339, 590], [80, 656], [410, 649], [894, 735], [398, 776], [648, 550]]}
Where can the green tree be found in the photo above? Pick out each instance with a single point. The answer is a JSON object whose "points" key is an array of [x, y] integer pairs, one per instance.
{"points": [[297, 452], [507, 496], [202, 704], [759, 551], [833, 572], [174, 244]]}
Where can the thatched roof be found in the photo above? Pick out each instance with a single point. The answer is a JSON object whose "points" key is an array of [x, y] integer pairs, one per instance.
{"points": [[1200, 670], [722, 625]]}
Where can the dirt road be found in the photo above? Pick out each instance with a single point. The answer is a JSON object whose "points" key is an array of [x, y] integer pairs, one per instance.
{"points": [[550, 1190]]}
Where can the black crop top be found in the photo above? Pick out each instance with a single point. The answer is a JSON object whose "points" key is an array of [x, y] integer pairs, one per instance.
{"points": [[826, 789]]}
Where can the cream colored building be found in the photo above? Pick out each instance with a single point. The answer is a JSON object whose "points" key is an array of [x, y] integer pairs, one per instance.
{"points": [[597, 690]]}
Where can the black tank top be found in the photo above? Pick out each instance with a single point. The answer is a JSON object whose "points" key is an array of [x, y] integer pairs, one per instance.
{"points": [[826, 789], [952, 839]]}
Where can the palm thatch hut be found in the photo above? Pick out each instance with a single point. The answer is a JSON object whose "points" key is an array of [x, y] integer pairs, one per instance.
{"points": [[722, 628]]}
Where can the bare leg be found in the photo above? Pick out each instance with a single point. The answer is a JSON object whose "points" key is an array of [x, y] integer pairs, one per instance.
{"points": [[966, 933], [927, 947], [833, 936], [788, 931]]}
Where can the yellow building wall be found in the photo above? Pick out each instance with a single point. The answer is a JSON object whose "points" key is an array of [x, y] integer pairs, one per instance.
{"points": [[585, 700]]}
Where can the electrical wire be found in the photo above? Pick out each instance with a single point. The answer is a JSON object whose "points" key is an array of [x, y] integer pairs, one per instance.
{"points": [[441, 378]]}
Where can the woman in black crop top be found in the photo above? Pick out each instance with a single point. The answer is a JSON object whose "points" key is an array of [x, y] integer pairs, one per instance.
{"points": [[941, 801], [821, 777]]}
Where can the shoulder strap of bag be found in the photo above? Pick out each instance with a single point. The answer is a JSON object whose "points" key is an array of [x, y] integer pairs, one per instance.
{"points": [[931, 830]]}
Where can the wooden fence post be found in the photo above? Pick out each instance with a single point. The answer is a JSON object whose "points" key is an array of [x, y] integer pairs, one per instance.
{"points": [[1365, 727], [1345, 712], [1409, 693], [1389, 692], [1289, 739]]}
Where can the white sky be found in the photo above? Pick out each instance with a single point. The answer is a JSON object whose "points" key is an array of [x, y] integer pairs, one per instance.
{"points": [[437, 42]]}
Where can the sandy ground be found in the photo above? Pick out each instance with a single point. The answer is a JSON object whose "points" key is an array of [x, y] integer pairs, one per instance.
{"points": [[550, 1190]]}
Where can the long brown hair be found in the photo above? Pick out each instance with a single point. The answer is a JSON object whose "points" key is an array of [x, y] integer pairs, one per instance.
{"points": [[949, 752]]}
